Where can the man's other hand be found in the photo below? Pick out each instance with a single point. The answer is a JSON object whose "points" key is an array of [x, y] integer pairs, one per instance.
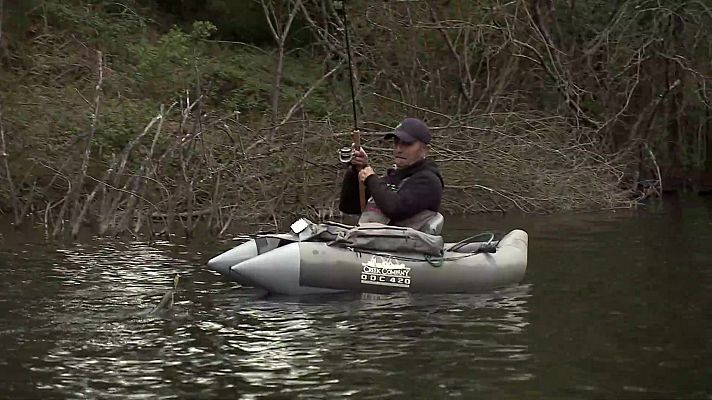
{"points": [[365, 173], [359, 158]]}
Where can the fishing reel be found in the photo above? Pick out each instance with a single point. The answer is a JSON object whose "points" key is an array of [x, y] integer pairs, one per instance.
{"points": [[345, 156]]}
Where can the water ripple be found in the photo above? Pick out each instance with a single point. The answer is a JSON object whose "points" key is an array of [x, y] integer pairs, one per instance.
{"points": [[605, 314], [220, 340]]}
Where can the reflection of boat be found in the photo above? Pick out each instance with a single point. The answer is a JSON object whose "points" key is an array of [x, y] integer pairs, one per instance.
{"points": [[283, 264]]}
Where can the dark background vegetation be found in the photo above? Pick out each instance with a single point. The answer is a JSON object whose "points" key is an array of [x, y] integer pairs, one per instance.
{"points": [[162, 117]]}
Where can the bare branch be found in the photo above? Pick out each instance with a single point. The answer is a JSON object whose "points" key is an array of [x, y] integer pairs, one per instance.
{"points": [[8, 173]]}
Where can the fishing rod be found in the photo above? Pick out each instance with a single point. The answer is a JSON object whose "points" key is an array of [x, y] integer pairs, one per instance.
{"points": [[339, 6], [355, 136]]}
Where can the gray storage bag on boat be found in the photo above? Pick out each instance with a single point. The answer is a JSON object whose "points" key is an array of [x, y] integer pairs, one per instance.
{"points": [[368, 236], [374, 236]]}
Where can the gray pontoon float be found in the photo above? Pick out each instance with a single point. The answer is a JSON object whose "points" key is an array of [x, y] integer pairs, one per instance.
{"points": [[330, 258]]}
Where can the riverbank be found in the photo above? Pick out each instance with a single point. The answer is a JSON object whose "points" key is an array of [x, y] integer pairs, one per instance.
{"points": [[114, 121]]}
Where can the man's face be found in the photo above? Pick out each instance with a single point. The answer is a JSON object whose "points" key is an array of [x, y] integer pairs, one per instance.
{"points": [[407, 154]]}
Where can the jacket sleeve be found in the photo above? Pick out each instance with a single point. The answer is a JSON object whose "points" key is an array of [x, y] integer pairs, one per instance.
{"points": [[349, 202], [420, 192]]}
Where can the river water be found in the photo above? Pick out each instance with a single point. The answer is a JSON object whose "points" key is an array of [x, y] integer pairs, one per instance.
{"points": [[614, 305]]}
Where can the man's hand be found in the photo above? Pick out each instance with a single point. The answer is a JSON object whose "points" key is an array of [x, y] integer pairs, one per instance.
{"points": [[359, 158], [365, 173]]}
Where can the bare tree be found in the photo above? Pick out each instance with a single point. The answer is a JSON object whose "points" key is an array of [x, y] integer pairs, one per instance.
{"points": [[279, 27], [74, 190]]}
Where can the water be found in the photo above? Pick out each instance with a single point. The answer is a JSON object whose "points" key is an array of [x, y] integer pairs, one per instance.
{"points": [[614, 305]]}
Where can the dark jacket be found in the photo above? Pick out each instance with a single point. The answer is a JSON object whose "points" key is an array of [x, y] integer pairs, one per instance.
{"points": [[399, 194]]}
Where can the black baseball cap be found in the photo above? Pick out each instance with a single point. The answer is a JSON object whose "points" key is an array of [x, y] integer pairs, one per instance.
{"points": [[410, 130]]}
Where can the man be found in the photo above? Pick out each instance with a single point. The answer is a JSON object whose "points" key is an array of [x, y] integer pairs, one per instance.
{"points": [[409, 194]]}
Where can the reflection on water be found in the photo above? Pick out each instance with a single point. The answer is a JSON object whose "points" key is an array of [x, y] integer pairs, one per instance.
{"points": [[98, 341], [613, 305]]}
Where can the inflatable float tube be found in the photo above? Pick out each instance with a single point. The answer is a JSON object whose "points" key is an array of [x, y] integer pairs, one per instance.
{"points": [[281, 265]]}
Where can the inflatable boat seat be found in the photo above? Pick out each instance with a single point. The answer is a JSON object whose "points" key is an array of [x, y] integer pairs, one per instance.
{"points": [[434, 225]]}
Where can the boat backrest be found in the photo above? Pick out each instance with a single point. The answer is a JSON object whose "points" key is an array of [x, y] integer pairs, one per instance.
{"points": [[434, 225], [369, 235], [380, 237]]}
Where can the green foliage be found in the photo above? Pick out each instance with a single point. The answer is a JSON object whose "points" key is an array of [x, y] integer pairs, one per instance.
{"points": [[202, 30], [241, 20], [17, 17], [238, 20], [105, 22], [121, 121], [169, 65], [245, 81], [300, 74]]}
